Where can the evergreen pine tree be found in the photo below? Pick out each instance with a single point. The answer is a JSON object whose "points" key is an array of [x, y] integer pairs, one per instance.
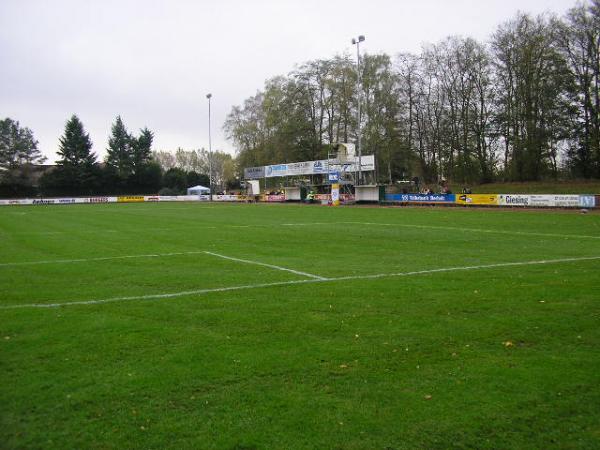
{"points": [[77, 170], [119, 152], [75, 147], [141, 149]]}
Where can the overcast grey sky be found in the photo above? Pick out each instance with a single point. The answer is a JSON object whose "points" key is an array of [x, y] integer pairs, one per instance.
{"points": [[153, 62]]}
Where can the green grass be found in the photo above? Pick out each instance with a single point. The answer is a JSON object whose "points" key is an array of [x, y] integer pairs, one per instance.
{"points": [[394, 362]]}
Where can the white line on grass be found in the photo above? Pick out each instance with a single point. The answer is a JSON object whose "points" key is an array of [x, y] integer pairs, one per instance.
{"points": [[300, 224], [50, 233], [440, 227], [306, 224], [483, 230], [289, 283], [247, 261], [103, 258], [148, 230]]}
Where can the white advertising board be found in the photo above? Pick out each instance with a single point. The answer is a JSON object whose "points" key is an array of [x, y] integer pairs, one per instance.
{"points": [[20, 201], [225, 198], [320, 166], [544, 201], [100, 200]]}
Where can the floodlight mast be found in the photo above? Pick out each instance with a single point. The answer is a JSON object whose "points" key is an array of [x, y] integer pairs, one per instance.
{"points": [[357, 42], [210, 177]]}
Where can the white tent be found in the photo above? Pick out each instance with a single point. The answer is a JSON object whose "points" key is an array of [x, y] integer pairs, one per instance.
{"points": [[198, 190]]}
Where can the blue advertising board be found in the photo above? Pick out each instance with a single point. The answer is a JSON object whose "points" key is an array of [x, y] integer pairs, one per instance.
{"points": [[277, 170], [420, 198]]}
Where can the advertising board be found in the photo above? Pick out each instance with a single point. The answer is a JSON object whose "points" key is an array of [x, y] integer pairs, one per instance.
{"points": [[309, 168], [318, 167], [477, 199], [546, 201], [275, 198], [335, 194], [130, 198], [367, 163], [181, 198], [96, 200], [276, 170], [566, 201], [587, 201], [253, 173], [16, 201], [514, 200], [99, 200], [56, 201], [300, 168], [225, 198], [344, 198], [420, 198]]}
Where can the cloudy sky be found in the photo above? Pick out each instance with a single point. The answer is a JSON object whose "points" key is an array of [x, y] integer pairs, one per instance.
{"points": [[153, 62]]}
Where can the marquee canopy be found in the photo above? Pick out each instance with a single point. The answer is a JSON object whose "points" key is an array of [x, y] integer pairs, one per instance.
{"points": [[198, 190]]}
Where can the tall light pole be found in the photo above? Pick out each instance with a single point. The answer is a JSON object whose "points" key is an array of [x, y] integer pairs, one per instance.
{"points": [[357, 42], [210, 177]]}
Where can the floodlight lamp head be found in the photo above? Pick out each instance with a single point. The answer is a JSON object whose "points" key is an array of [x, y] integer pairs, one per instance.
{"points": [[361, 38], [208, 96], [353, 41]]}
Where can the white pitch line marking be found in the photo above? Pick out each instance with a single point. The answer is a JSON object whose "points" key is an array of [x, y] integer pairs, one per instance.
{"points": [[477, 230], [257, 263], [149, 230], [301, 224], [289, 283], [102, 258], [25, 233], [439, 227]]}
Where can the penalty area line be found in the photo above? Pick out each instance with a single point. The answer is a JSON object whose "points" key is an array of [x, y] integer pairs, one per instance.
{"points": [[298, 282], [475, 230], [271, 266], [101, 258], [441, 227]]}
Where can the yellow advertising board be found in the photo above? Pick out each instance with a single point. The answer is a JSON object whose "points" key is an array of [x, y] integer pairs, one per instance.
{"points": [[477, 199], [130, 198]]}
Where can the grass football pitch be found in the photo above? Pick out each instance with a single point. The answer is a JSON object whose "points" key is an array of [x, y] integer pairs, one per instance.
{"points": [[184, 325]]}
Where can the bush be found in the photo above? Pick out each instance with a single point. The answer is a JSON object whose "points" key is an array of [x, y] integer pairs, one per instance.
{"points": [[175, 179], [168, 191]]}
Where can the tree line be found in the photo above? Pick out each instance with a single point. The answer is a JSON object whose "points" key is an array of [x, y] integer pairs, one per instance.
{"points": [[130, 165], [525, 106]]}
